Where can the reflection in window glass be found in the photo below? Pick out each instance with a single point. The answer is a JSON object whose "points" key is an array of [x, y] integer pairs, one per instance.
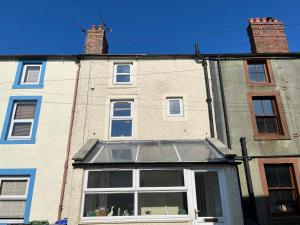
{"points": [[208, 194], [109, 205], [109, 179], [121, 128], [257, 72], [283, 196], [121, 119], [162, 203], [161, 178]]}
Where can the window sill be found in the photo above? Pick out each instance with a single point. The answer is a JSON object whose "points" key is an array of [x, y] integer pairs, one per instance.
{"points": [[28, 86], [266, 137], [23, 141], [121, 86], [261, 84], [172, 219]]}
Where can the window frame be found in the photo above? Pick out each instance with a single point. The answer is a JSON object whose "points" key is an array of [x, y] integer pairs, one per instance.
{"points": [[169, 114], [19, 174], [277, 161], [270, 80], [20, 74], [112, 117], [284, 135], [135, 189], [122, 74], [6, 137]]}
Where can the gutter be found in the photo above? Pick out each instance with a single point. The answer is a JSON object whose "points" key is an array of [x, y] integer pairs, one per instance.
{"points": [[228, 140], [63, 186]]}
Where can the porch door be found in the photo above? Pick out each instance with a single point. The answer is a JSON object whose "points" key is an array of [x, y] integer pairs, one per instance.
{"points": [[208, 204]]}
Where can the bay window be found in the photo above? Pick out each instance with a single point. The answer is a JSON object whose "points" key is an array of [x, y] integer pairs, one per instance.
{"points": [[139, 192]]}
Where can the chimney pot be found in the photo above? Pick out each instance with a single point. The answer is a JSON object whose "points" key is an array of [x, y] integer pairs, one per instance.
{"points": [[251, 20], [267, 36]]}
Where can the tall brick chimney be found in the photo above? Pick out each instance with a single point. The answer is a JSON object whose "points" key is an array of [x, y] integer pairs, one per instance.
{"points": [[267, 35], [95, 41]]}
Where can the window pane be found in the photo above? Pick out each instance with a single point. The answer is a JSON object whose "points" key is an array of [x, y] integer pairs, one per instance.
{"points": [[252, 68], [123, 69], [271, 125], [258, 107], [12, 209], [162, 203], [122, 154], [32, 74], [109, 205], [260, 123], [121, 128], [21, 129], [109, 179], [13, 187], [253, 76], [261, 77], [271, 175], [174, 106], [282, 202], [25, 110], [161, 178], [278, 175], [208, 194], [123, 78], [268, 108], [260, 68], [122, 109]]}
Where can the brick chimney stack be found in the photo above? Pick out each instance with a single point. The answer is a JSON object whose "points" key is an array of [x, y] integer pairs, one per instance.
{"points": [[267, 35], [95, 41]]}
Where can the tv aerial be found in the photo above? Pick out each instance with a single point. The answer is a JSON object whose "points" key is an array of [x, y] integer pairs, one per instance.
{"points": [[103, 23], [83, 30]]}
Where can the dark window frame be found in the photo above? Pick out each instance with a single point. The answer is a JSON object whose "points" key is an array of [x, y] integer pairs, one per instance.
{"points": [[270, 80], [283, 133]]}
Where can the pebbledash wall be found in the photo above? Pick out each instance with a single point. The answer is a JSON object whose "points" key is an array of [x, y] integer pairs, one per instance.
{"points": [[154, 78], [43, 155]]}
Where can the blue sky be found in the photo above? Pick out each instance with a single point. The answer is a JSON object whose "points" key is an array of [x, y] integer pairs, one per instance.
{"points": [[140, 26]]}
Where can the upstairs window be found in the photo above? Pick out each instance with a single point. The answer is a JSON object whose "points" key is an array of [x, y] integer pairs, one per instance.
{"points": [[121, 119], [259, 72], [266, 114], [122, 73], [30, 74], [282, 188], [175, 107], [21, 120]]}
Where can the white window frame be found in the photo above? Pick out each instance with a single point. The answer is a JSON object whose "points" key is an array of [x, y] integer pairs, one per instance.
{"points": [[180, 99], [136, 189], [14, 197], [112, 117], [24, 73], [122, 74], [13, 121]]}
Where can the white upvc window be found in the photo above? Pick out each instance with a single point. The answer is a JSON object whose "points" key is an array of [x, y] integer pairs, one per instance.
{"points": [[31, 74], [121, 118], [134, 193], [22, 119], [13, 195], [122, 73], [175, 106]]}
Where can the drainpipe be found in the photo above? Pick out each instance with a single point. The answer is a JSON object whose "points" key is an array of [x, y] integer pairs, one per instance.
{"points": [[224, 104], [251, 208], [63, 186], [208, 96]]}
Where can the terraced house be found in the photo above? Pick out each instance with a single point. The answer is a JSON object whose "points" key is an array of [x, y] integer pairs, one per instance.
{"points": [[142, 149], [257, 96], [35, 111]]}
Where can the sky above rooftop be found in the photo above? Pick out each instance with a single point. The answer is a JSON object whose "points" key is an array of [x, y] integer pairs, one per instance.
{"points": [[140, 26]]}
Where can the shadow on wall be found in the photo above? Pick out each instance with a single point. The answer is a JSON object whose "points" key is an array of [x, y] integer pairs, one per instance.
{"points": [[263, 214]]}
